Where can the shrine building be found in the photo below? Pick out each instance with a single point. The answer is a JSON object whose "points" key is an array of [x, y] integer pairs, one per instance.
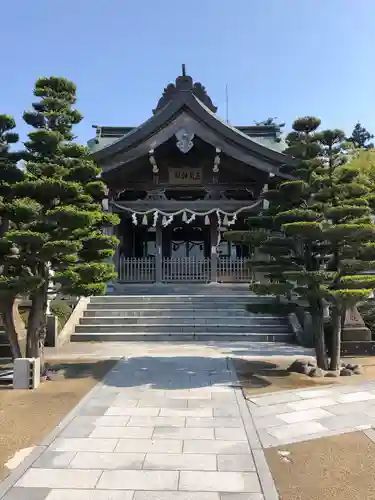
{"points": [[180, 180]]}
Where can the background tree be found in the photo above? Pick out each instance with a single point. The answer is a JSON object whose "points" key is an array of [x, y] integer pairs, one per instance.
{"points": [[361, 137], [64, 235]]}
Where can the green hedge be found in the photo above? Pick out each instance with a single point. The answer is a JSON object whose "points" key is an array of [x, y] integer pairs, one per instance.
{"points": [[59, 307], [62, 309]]}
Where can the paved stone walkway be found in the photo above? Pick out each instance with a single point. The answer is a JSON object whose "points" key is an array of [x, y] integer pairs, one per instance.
{"points": [[291, 416], [158, 428]]}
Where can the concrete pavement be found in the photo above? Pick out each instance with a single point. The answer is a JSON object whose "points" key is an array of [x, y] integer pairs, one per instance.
{"points": [[165, 428], [299, 415]]}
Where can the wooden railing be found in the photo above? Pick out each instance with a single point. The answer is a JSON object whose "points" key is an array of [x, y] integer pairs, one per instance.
{"points": [[191, 269], [233, 270], [186, 269], [136, 270]]}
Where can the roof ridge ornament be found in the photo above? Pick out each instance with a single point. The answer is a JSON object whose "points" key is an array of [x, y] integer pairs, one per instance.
{"points": [[185, 83]]}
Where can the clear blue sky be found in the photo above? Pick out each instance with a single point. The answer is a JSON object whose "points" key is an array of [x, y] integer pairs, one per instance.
{"points": [[283, 58]]}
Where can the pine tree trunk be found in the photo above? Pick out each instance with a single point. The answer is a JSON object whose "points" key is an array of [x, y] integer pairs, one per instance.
{"points": [[10, 326], [36, 326], [4, 227], [319, 340], [33, 326], [336, 338]]}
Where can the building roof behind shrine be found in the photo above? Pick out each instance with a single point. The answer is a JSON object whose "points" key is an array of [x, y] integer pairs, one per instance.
{"points": [[187, 96]]}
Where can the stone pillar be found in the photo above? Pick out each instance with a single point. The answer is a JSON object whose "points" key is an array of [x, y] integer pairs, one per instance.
{"points": [[158, 252], [354, 327], [213, 243], [18, 321], [52, 331]]}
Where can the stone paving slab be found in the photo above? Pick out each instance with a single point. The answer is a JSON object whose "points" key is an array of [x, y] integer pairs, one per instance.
{"points": [[60, 478], [90, 495], [299, 415], [182, 461], [107, 461], [231, 482], [156, 428], [175, 495], [138, 480]]}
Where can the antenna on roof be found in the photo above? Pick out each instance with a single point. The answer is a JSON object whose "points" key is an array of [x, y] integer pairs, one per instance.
{"points": [[183, 70], [226, 104]]}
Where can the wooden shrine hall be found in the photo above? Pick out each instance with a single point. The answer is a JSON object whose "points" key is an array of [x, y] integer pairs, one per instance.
{"points": [[179, 181]]}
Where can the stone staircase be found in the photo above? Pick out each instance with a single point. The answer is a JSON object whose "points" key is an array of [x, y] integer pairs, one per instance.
{"points": [[179, 318]]}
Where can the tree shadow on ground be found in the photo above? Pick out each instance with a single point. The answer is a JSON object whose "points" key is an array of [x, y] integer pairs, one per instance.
{"points": [[259, 374], [63, 370], [78, 369], [194, 372], [248, 348], [172, 373]]}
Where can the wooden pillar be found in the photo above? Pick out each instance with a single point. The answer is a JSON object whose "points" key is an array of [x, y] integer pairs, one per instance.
{"points": [[213, 243], [116, 255], [158, 252], [111, 231]]}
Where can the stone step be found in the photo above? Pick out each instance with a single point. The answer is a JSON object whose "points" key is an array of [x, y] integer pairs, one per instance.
{"points": [[180, 298], [182, 318], [250, 321], [177, 313], [168, 305], [96, 336], [176, 328], [5, 350]]}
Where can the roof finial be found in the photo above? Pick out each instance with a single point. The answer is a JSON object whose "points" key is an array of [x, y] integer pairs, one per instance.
{"points": [[183, 70]]}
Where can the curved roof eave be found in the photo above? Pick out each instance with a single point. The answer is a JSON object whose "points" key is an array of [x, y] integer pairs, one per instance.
{"points": [[185, 99]]}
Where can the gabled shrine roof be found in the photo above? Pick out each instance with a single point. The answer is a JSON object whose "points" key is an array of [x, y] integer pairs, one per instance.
{"points": [[191, 100]]}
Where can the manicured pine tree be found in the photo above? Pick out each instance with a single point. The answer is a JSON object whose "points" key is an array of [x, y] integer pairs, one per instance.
{"points": [[346, 194], [12, 212], [298, 218], [9, 171], [15, 212], [288, 233], [65, 233], [317, 231], [342, 195]]}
